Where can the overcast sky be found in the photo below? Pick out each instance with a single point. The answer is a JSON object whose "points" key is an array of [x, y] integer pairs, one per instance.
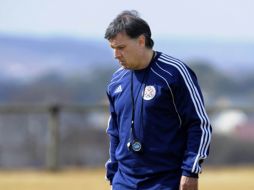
{"points": [[222, 19]]}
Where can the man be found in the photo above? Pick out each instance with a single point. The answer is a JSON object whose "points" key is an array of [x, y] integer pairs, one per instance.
{"points": [[159, 130]]}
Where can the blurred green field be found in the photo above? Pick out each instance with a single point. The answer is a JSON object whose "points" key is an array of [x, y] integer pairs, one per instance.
{"points": [[239, 178]]}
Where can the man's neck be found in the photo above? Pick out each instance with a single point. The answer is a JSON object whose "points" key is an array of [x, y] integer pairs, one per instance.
{"points": [[147, 58]]}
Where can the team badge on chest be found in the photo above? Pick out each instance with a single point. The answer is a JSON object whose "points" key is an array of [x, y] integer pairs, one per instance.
{"points": [[149, 93]]}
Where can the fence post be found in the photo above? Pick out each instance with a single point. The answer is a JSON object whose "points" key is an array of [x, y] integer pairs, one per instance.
{"points": [[53, 141]]}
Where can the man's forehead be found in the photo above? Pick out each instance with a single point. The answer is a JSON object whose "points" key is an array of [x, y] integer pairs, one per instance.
{"points": [[116, 42], [120, 35], [119, 39]]}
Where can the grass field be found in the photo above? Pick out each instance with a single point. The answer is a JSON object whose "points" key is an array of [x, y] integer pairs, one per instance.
{"points": [[93, 179]]}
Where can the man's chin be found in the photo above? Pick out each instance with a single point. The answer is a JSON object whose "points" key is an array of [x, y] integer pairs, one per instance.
{"points": [[124, 65]]}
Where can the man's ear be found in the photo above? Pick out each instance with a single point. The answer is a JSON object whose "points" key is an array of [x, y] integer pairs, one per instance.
{"points": [[142, 40]]}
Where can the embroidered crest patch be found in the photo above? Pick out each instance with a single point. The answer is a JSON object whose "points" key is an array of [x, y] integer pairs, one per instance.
{"points": [[150, 92]]}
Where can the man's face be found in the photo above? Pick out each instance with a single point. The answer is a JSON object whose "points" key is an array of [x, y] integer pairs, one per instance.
{"points": [[127, 51]]}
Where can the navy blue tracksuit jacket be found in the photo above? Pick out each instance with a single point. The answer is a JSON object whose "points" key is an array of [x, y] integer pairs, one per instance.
{"points": [[170, 121]]}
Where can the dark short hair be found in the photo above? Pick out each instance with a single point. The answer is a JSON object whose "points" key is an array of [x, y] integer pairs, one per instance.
{"points": [[130, 23]]}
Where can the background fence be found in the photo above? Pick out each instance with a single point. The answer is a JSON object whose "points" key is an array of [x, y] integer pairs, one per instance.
{"points": [[55, 136]]}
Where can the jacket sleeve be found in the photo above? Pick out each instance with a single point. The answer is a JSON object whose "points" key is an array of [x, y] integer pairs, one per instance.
{"points": [[195, 122], [112, 131]]}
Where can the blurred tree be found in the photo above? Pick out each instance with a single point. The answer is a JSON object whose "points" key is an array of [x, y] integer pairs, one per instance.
{"points": [[216, 83]]}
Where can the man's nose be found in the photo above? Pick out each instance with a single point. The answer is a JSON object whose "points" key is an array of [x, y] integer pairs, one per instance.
{"points": [[117, 54]]}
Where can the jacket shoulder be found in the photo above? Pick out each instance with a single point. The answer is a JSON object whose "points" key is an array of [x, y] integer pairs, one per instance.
{"points": [[116, 77], [176, 67]]}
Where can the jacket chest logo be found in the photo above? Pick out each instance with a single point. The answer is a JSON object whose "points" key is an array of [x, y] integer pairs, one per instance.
{"points": [[149, 93], [118, 89]]}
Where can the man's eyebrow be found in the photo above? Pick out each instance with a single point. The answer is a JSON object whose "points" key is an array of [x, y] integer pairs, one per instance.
{"points": [[117, 45]]}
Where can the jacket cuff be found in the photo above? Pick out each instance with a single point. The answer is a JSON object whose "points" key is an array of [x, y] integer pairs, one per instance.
{"points": [[189, 174], [109, 180]]}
